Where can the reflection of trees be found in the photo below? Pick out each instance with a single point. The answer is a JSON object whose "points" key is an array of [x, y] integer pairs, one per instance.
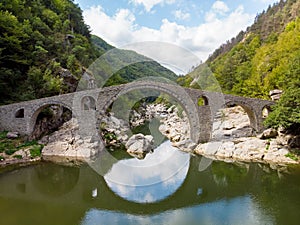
{"points": [[226, 174], [277, 193], [55, 180]]}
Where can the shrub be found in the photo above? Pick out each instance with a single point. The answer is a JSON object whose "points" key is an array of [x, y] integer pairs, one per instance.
{"points": [[36, 151], [18, 156], [10, 151], [286, 112]]}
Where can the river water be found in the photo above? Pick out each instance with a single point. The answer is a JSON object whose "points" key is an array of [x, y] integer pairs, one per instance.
{"points": [[167, 187]]}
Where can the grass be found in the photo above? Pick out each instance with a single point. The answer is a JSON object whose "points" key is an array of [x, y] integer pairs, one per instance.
{"points": [[5, 145], [36, 150], [18, 156], [10, 146], [27, 144], [292, 156], [3, 134], [10, 151]]}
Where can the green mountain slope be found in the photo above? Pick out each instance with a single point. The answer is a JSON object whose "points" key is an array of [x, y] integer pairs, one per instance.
{"points": [[119, 58], [45, 48], [263, 58]]}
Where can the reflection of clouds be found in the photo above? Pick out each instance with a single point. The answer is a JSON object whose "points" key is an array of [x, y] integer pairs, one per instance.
{"points": [[165, 162], [242, 210], [158, 175]]}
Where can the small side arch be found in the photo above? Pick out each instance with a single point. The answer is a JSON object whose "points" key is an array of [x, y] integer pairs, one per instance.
{"points": [[88, 103], [203, 100], [266, 110], [39, 108], [248, 109], [20, 113]]}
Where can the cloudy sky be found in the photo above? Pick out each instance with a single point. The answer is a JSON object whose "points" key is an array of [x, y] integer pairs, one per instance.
{"points": [[199, 26]]}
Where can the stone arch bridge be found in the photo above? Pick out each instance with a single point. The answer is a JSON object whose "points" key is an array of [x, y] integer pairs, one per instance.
{"points": [[88, 107]]}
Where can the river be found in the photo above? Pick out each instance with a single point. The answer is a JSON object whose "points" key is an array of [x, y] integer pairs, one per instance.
{"points": [[167, 187]]}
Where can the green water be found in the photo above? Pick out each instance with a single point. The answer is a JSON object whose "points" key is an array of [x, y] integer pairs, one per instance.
{"points": [[151, 191]]}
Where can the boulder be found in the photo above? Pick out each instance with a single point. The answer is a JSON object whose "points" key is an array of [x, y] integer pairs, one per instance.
{"points": [[269, 133], [139, 145], [12, 135]]}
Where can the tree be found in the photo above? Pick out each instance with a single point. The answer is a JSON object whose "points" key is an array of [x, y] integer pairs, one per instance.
{"points": [[286, 112]]}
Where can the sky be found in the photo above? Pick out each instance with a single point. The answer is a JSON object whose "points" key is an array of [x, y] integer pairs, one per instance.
{"points": [[197, 26]]}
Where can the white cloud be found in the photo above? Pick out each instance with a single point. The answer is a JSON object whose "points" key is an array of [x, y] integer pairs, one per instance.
{"points": [[121, 29], [149, 4], [220, 7], [179, 14]]}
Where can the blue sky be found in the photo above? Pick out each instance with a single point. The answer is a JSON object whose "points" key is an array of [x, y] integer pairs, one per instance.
{"points": [[199, 26]]}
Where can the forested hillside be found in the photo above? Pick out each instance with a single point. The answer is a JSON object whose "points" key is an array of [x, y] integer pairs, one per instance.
{"points": [[265, 57], [45, 48]]}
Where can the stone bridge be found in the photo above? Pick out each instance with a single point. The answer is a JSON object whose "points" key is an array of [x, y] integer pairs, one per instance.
{"points": [[90, 105]]}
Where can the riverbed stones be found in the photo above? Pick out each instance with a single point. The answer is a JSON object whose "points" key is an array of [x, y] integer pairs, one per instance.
{"points": [[139, 145]]}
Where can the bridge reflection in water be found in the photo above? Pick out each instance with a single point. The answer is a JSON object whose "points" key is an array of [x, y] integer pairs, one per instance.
{"points": [[55, 194]]}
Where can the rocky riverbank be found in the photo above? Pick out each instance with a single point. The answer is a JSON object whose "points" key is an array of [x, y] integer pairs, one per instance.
{"points": [[232, 140], [17, 150]]}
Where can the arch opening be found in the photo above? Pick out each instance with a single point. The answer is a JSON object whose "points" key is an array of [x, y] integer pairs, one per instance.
{"points": [[48, 118], [122, 103], [20, 113], [88, 103], [234, 120], [266, 111], [203, 100]]}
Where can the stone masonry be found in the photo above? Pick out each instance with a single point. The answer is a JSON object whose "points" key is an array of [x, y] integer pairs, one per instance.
{"points": [[89, 106]]}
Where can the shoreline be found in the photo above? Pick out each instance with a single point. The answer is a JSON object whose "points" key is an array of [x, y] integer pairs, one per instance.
{"points": [[230, 141]]}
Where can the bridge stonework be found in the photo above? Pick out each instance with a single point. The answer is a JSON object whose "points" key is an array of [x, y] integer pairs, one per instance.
{"points": [[21, 117]]}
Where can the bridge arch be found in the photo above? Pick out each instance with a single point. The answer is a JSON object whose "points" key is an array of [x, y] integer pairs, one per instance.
{"points": [[250, 111], [37, 109], [177, 92]]}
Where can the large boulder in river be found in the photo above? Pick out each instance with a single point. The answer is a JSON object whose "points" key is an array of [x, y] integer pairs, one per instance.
{"points": [[139, 145]]}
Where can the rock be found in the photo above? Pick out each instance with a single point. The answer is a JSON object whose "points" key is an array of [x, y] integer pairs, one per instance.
{"points": [[66, 144], [226, 150], [228, 125], [12, 135], [275, 94], [294, 142], [269, 133], [139, 145]]}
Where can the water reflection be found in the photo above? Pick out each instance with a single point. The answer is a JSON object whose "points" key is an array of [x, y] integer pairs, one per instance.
{"points": [[241, 210], [222, 194], [55, 180], [152, 179]]}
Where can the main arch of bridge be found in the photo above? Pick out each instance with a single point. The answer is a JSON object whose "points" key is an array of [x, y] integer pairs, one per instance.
{"points": [[198, 130]]}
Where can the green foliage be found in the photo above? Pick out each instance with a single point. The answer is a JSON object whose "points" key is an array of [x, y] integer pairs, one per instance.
{"points": [[36, 151], [18, 156], [10, 151], [27, 144], [4, 145], [3, 134], [34, 36], [2, 158], [292, 156], [287, 111], [263, 58]]}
